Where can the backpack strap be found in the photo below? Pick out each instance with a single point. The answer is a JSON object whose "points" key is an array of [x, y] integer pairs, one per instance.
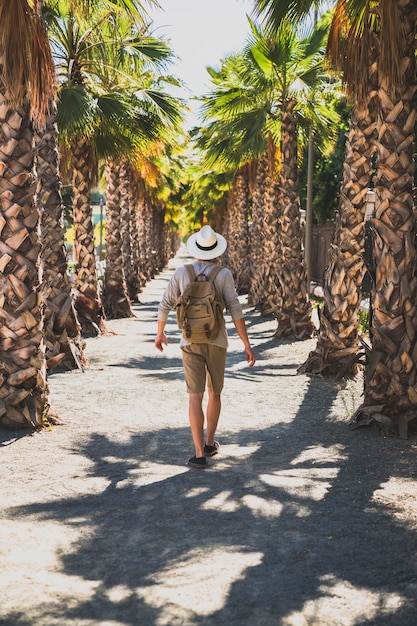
{"points": [[212, 276], [191, 272]]}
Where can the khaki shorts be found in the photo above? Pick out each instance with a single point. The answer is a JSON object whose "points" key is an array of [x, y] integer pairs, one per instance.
{"points": [[201, 362]]}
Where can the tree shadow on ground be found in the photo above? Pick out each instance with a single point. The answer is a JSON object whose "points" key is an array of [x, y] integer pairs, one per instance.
{"points": [[284, 528]]}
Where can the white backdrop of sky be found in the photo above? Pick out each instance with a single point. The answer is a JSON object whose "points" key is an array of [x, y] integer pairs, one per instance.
{"points": [[201, 33]]}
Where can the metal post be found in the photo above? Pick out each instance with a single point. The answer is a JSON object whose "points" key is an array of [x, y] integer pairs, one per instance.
{"points": [[308, 242], [100, 248], [368, 254], [309, 213]]}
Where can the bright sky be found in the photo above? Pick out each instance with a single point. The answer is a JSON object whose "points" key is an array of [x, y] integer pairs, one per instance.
{"points": [[201, 33]]}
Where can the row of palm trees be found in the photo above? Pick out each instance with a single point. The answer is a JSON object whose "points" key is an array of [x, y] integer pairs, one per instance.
{"points": [[112, 117], [115, 121], [262, 103], [373, 44], [250, 126]]}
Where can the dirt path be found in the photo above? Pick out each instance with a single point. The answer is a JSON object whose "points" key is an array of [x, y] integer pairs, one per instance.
{"points": [[298, 521]]}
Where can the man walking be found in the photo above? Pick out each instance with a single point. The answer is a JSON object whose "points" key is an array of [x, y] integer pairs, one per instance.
{"points": [[204, 360]]}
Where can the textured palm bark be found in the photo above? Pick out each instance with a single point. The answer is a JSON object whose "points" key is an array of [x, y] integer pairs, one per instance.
{"points": [[148, 242], [258, 279], [129, 269], [134, 239], [23, 387], [63, 340], [88, 304], [220, 221], [390, 395], [238, 236], [337, 351], [294, 314], [116, 301], [141, 228], [158, 235], [271, 251]]}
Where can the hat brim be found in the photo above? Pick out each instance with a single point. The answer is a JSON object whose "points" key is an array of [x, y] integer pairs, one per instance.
{"points": [[206, 255]]}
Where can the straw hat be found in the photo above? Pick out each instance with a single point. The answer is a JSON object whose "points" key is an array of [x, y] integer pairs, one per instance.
{"points": [[206, 244]]}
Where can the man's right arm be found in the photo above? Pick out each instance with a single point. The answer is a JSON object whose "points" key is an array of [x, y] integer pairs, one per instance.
{"points": [[161, 338], [168, 302]]}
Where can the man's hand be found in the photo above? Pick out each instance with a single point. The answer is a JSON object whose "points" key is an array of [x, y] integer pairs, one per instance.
{"points": [[250, 356], [160, 340]]}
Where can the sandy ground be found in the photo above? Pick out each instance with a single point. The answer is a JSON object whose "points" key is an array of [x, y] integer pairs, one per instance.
{"points": [[298, 521]]}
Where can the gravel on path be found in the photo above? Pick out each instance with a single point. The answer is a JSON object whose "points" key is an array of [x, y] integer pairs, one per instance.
{"points": [[298, 520]]}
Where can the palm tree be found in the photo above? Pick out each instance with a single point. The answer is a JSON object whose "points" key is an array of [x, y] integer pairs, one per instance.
{"points": [[79, 111], [239, 117], [337, 351], [222, 158], [390, 371], [115, 297], [239, 240], [390, 395], [268, 97], [126, 213], [27, 86], [63, 340], [24, 391], [294, 65], [94, 78]]}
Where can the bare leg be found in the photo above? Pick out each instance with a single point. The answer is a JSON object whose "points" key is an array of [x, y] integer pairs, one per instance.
{"points": [[214, 406], [196, 418]]}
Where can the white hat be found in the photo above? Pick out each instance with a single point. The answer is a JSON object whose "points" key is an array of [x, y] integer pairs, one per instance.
{"points": [[206, 244]]}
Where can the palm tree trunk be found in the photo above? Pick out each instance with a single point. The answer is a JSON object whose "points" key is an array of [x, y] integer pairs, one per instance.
{"points": [[134, 239], [64, 343], [129, 269], [147, 216], [88, 304], [159, 235], [141, 228], [239, 236], [337, 350], [271, 259], [115, 297], [257, 259], [219, 222], [294, 316], [23, 387], [390, 395]]}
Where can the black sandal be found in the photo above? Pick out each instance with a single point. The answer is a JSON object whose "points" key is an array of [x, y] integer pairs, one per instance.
{"points": [[211, 450], [198, 461]]}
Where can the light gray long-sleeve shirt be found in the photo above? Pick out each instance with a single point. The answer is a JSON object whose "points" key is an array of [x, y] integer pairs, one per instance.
{"points": [[224, 284]]}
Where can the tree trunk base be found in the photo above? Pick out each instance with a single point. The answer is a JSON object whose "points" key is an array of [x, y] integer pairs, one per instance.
{"points": [[90, 316], [16, 423], [70, 359], [116, 304], [299, 334], [388, 421], [64, 344], [337, 364], [15, 420]]}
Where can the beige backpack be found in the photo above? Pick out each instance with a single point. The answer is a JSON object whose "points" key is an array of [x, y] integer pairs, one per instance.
{"points": [[200, 308]]}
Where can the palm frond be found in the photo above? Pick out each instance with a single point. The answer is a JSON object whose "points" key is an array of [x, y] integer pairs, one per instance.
{"points": [[273, 12], [76, 111], [28, 71]]}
